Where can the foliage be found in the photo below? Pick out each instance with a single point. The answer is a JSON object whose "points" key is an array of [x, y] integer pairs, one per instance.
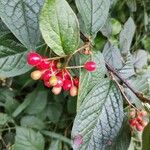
{"points": [[117, 34]]}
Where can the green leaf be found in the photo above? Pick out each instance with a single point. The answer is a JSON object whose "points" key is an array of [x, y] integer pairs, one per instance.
{"points": [[140, 58], [28, 139], [88, 79], [55, 145], [116, 26], [38, 103], [12, 57], [94, 14], [3, 28], [146, 138], [127, 70], [99, 119], [113, 56], [32, 122], [3, 119], [126, 36], [27, 101], [54, 111], [21, 17], [59, 27], [123, 139]]}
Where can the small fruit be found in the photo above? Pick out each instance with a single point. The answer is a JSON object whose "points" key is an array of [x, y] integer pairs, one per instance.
{"points": [[36, 75], [59, 82], [34, 59], [139, 127], [53, 80], [46, 76], [132, 122], [76, 82], [90, 66], [143, 113], [47, 84], [144, 123], [56, 90], [73, 91], [132, 113], [64, 74], [44, 64], [67, 85]]}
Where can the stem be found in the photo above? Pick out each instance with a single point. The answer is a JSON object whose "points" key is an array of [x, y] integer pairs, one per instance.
{"points": [[57, 136], [81, 48], [122, 91], [74, 67], [55, 58], [140, 95]]}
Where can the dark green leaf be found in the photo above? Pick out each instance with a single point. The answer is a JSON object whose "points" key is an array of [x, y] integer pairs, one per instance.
{"points": [[59, 27], [54, 111], [12, 57], [21, 17], [99, 119], [55, 145], [38, 102], [146, 138], [94, 14], [3, 119], [123, 139], [3, 28], [32, 122], [28, 139], [27, 101]]}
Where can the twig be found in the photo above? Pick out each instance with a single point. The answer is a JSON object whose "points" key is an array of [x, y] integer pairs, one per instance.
{"points": [[122, 90], [138, 94], [81, 48]]}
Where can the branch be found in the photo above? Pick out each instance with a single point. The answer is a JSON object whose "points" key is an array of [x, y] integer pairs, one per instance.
{"points": [[140, 95], [137, 93]]}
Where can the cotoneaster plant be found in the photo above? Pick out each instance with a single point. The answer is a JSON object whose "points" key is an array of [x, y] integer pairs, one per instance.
{"points": [[74, 74]]}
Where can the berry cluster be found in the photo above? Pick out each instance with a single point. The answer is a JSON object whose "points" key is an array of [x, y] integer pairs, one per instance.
{"points": [[137, 119], [54, 75]]}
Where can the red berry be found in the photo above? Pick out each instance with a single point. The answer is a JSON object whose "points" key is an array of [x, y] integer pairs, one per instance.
{"points": [[53, 80], [90, 66], [73, 91], [67, 85], [36, 75], [143, 113], [132, 122], [44, 64], [59, 82], [76, 82], [139, 119], [64, 74], [33, 58], [47, 84], [46, 76], [56, 90], [139, 127]]}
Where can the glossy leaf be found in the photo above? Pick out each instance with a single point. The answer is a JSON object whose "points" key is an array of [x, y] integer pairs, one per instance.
{"points": [[94, 14], [27, 139], [21, 17], [59, 27]]}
